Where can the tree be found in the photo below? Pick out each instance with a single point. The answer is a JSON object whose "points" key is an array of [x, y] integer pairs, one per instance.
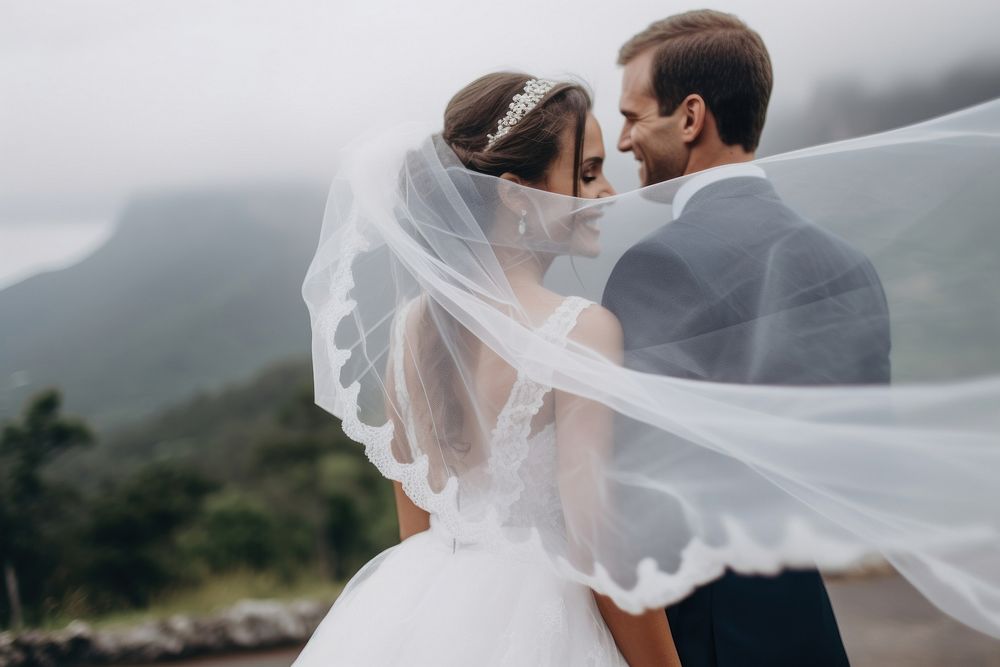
{"points": [[297, 460], [27, 445], [311, 471], [132, 533]]}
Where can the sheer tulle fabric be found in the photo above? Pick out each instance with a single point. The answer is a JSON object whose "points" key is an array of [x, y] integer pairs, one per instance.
{"points": [[750, 443]]}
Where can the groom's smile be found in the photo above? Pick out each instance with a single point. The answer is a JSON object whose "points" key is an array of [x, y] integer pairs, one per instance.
{"points": [[653, 139]]}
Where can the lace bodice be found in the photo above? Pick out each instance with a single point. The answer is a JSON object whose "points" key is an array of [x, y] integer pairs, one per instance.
{"points": [[521, 468], [526, 463]]}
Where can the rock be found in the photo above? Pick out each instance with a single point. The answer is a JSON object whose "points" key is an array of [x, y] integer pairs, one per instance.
{"points": [[254, 623], [249, 624], [142, 643], [10, 655], [311, 613], [37, 647]]}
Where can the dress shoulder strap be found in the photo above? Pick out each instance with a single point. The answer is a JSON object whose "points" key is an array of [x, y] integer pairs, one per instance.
{"points": [[562, 320], [509, 441]]}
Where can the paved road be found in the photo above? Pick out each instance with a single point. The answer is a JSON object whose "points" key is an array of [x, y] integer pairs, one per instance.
{"points": [[885, 623]]}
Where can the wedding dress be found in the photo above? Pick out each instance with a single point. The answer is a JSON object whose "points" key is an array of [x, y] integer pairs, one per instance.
{"points": [[435, 599]]}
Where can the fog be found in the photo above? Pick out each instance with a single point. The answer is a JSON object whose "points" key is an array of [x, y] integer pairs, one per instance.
{"points": [[101, 99]]}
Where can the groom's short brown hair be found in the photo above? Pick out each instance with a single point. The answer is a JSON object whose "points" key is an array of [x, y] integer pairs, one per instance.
{"points": [[717, 56]]}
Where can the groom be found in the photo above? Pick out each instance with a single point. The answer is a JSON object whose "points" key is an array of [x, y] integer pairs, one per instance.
{"points": [[736, 288]]}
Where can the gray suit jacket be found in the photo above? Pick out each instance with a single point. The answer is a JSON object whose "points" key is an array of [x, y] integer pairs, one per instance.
{"points": [[741, 289]]}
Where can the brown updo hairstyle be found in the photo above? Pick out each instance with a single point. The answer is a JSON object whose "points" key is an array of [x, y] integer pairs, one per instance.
{"points": [[527, 151], [530, 147]]}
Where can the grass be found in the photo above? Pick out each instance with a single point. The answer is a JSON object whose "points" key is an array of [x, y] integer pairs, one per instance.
{"points": [[217, 593]]}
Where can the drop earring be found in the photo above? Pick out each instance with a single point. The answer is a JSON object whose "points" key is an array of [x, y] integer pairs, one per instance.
{"points": [[521, 226]]}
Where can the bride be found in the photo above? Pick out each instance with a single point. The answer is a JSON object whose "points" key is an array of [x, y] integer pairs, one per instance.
{"points": [[551, 500], [436, 599]]}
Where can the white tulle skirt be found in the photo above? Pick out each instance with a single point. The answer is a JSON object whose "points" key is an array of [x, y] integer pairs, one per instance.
{"points": [[428, 601]]}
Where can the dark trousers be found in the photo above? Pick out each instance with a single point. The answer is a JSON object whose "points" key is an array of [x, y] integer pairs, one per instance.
{"points": [[758, 621]]}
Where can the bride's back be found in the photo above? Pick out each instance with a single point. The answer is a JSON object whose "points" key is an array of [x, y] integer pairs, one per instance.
{"points": [[457, 406], [453, 388]]}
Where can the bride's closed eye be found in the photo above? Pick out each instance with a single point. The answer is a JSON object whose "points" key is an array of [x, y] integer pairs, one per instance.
{"points": [[591, 169]]}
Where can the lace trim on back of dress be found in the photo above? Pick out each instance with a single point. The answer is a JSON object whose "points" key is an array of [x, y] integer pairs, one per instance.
{"points": [[511, 436]]}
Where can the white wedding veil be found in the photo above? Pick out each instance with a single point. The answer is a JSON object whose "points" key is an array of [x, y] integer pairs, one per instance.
{"points": [[787, 446]]}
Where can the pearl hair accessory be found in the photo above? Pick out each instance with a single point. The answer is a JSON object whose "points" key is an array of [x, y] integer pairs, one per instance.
{"points": [[534, 91]]}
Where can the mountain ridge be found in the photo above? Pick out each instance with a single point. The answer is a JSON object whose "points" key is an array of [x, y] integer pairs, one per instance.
{"points": [[194, 289]]}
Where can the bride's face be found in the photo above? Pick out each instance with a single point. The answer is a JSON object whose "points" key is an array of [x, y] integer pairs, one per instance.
{"points": [[580, 231]]}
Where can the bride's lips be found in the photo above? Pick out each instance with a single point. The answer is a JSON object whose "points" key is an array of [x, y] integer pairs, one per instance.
{"points": [[587, 218]]}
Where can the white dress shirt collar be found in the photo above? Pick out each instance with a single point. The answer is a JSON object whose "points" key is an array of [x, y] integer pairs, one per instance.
{"points": [[709, 176]]}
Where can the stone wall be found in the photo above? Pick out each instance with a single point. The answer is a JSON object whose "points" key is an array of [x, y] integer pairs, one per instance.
{"points": [[249, 624]]}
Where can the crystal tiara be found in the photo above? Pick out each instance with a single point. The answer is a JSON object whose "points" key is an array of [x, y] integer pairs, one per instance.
{"points": [[534, 91]]}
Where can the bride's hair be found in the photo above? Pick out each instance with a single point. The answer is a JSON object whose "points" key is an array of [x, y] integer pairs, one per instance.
{"points": [[527, 151], [531, 146]]}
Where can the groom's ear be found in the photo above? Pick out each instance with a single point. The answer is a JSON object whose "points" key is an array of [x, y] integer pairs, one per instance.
{"points": [[694, 111]]}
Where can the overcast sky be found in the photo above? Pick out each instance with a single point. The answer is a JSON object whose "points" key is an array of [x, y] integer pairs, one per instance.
{"points": [[98, 98]]}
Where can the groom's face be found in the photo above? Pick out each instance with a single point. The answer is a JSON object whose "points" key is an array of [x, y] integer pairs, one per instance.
{"points": [[655, 141]]}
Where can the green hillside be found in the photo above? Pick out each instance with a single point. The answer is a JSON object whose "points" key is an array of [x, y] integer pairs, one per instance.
{"points": [[251, 484]]}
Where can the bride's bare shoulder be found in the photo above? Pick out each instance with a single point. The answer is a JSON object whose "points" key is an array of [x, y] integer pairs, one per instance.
{"points": [[599, 329]]}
